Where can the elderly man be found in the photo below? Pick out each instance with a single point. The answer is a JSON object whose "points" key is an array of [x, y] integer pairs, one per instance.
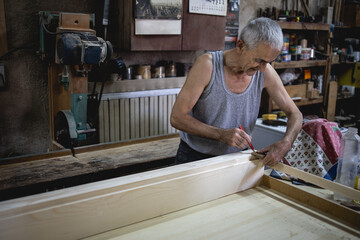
{"points": [[223, 91]]}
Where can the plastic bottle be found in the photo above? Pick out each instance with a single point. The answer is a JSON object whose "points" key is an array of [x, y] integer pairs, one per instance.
{"points": [[347, 161]]}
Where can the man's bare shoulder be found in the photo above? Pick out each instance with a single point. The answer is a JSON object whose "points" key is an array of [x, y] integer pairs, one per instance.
{"points": [[205, 60], [271, 78]]}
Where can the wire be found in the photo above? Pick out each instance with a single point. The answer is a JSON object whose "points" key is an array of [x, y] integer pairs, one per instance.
{"points": [[15, 49]]}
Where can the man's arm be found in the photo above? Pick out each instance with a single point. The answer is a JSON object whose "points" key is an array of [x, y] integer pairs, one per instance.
{"points": [[198, 79], [277, 92]]}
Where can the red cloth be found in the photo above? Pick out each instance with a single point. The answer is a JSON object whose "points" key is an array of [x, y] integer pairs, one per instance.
{"points": [[315, 149]]}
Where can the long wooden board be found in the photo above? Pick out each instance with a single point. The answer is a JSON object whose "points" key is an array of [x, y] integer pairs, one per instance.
{"points": [[318, 181], [258, 213], [89, 209], [87, 160]]}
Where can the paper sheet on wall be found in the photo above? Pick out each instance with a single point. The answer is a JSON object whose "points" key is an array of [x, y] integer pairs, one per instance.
{"points": [[210, 7], [154, 17]]}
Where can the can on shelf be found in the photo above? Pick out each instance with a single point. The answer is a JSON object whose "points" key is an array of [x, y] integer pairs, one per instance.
{"points": [[286, 57], [305, 53]]}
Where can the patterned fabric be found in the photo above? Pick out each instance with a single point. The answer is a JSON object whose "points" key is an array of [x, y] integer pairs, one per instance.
{"points": [[315, 150]]}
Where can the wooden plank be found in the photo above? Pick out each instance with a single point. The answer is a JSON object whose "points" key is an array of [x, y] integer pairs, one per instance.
{"points": [[3, 35], [86, 210], [331, 105], [304, 26], [299, 64], [297, 192], [319, 181], [258, 213], [88, 160]]}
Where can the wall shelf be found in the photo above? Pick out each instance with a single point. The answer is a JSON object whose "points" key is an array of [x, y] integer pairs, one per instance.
{"points": [[304, 102], [304, 26], [299, 64], [139, 84], [317, 34]]}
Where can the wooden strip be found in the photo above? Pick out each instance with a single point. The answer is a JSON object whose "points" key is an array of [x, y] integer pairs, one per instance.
{"points": [[319, 181], [331, 105], [3, 36], [335, 209], [86, 210]]}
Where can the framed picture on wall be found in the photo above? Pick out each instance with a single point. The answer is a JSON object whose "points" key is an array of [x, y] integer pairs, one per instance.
{"points": [[158, 17]]}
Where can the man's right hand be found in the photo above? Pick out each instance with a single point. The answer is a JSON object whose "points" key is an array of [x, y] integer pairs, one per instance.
{"points": [[235, 137]]}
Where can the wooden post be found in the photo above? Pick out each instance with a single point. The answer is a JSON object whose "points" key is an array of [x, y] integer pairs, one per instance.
{"points": [[331, 105], [3, 37]]}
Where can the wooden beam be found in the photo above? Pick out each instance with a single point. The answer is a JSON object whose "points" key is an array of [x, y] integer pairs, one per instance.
{"points": [[86, 210], [319, 181], [3, 37], [295, 191], [25, 172]]}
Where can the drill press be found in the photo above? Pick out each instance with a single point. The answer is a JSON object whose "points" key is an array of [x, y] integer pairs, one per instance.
{"points": [[77, 49]]}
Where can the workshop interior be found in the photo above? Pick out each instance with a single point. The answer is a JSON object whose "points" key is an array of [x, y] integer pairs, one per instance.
{"points": [[87, 88]]}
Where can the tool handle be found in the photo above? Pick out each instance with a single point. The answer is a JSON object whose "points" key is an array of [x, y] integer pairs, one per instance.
{"points": [[105, 21]]}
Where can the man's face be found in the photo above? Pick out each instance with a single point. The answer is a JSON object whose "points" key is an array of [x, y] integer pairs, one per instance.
{"points": [[257, 59]]}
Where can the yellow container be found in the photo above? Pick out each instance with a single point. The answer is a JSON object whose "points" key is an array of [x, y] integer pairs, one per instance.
{"points": [[269, 117]]}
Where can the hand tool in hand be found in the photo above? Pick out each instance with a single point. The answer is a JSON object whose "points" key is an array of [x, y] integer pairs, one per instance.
{"points": [[252, 147]]}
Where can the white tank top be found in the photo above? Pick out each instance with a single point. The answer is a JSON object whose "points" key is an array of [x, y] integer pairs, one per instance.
{"points": [[219, 107]]}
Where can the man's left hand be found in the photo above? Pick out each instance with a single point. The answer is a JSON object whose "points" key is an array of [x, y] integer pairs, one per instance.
{"points": [[275, 152]]}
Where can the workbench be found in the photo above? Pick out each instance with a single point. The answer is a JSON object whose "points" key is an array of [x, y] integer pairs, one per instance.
{"points": [[225, 197]]}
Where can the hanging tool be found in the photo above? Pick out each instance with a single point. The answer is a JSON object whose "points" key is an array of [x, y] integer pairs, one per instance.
{"points": [[306, 8]]}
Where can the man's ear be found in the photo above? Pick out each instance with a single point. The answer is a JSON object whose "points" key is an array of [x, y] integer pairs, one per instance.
{"points": [[240, 45]]}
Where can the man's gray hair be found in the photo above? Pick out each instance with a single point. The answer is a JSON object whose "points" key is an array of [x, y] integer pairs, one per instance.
{"points": [[262, 30]]}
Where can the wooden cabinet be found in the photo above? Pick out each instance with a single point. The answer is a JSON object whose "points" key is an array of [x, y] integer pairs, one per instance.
{"points": [[199, 32], [317, 34]]}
